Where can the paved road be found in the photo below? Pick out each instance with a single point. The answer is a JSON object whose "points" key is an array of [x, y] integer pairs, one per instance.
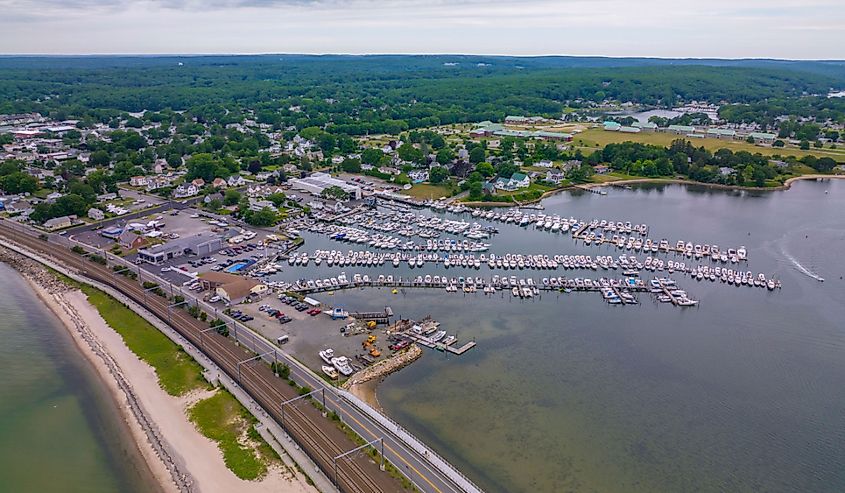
{"points": [[429, 472]]}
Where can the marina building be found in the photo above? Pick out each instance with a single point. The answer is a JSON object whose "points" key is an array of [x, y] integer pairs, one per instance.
{"points": [[317, 182], [197, 245]]}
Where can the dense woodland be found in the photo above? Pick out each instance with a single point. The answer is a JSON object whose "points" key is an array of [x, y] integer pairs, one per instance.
{"points": [[390, 94]]}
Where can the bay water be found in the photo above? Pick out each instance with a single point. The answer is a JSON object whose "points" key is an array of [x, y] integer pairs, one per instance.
{"points": [[60, 430]]}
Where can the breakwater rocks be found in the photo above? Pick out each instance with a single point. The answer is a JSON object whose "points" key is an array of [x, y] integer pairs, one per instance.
{"points": [[33, 271], [385, 367]]}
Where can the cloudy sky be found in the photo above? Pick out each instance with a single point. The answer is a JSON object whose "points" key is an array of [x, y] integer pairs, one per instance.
{"points": [[809, 29]]}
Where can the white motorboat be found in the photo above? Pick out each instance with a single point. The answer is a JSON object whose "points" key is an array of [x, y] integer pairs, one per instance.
{"points": [[327, 355], [342, 365], [330, 372]]}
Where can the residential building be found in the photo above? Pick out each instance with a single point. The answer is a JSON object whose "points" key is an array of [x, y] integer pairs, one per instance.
{"points": [[555, 176], [138, 181], [219, 183], [131, 241], [418, 176], [185, 190], [515, 182], [96, 214], [236, 181], [59, 222]]}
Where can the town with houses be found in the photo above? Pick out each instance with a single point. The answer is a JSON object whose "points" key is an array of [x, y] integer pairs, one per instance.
{"points": [[466, 162]]}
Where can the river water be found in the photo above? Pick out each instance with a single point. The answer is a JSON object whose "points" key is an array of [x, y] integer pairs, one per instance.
{"points": [[59, 428], [566, 393]]}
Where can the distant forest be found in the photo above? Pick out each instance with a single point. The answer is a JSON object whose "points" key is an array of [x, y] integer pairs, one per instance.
{"points": [[388, 94]]}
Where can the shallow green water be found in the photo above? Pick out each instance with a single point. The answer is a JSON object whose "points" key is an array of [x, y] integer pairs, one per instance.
{"points": [[59, 429]]}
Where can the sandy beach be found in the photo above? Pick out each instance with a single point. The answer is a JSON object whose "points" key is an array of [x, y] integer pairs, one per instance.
{"points": [[366, 391], [363, 384], [179, 456]]}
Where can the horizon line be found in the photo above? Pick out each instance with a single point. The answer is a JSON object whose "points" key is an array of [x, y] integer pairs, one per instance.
{"points": [[421, 54]]}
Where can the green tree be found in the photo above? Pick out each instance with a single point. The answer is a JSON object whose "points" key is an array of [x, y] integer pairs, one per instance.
{"points": [[485, 169], [99, 158], [372, 156], [445, 155], [231, 197], [438, 174], [334, 192], [262, 219], [19, 182], [351, 165], [475, 190], [277, 199], [476, 155], [407, 152]]}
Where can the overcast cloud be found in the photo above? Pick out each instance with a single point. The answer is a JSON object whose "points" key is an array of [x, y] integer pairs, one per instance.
{"points": [[811, 29]]}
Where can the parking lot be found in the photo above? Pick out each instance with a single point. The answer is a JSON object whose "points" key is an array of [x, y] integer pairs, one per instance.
{"points": [[308, 334]]}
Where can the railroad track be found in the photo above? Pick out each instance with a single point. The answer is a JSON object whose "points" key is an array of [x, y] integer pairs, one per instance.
{"points": [[318, 436]]}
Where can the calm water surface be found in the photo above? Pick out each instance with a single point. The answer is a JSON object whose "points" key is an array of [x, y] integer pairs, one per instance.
{"points": [[566, 393], [59, 429]]}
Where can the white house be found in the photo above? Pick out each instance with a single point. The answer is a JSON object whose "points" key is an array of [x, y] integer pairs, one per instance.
{"points": [[418, 176], [138, 181], [554, 176], [96, 214], [515, 182], [236, 181], [185, 190]]}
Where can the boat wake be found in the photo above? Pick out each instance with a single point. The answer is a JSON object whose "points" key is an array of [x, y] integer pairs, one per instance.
{"points": [[800, 268]]}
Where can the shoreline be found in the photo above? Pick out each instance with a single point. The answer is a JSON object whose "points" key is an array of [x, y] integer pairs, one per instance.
{"points": [[177, 455], [364, 384], [51, 291], [787, 184]]}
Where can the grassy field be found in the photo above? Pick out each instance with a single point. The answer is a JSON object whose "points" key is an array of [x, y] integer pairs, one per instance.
{"points": [[596, 137], [533, 187], [223, 419], [613, 176], [429, 191], [177, 372]]}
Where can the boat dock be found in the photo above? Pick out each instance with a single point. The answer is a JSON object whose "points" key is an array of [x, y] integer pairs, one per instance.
{"points": [[421, 334], [597, 191], [424, 341], [382, 317]]}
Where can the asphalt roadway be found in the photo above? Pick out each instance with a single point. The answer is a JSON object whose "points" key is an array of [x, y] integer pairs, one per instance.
{"points": [[321, 438]]}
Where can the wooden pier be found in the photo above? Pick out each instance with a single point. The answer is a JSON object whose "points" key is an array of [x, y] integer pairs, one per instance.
{"points": [[382, 317], [424, 341]]}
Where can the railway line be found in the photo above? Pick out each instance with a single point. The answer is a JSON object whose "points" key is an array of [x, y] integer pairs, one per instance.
{"points": [[317, 435]]}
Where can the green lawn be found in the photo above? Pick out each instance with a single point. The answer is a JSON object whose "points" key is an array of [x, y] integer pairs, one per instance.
{"points": [[177, 372], [223, 419], [596, 137], [429, 191]]}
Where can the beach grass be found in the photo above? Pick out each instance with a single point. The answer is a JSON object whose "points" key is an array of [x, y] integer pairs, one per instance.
{"points": [[223, 419], [177, 372]]}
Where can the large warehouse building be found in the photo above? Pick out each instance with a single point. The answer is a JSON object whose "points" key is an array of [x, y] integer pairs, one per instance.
{"points": [[318, 182]]}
